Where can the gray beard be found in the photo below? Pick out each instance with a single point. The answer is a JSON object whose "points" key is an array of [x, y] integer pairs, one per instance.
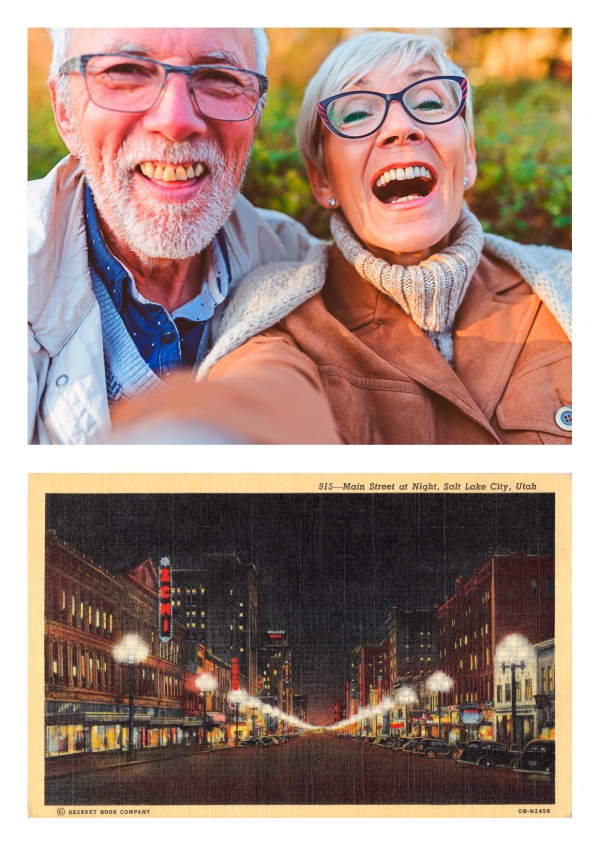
{"points": [[163, 230]]}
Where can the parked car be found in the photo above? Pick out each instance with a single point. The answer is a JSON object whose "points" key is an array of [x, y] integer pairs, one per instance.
{"points": [[252, 741], [382, 741], [456, 749], [537, 760], [399, 743], [411, 745], [433, 748], [269, 739], [487, 753]]}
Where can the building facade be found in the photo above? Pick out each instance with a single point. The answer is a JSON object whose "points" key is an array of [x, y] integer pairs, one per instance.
{"points": [[217, 602], [276, 676], [534, 694], [508, 594], [413, 644], [88, 610]]}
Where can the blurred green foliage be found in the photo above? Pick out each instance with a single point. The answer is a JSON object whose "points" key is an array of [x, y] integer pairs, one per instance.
{"points": [[523, 141], [46, 147]]}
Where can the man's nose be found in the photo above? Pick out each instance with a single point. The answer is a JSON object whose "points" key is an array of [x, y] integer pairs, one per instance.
{"points": [[399, 127], [175, 114]]}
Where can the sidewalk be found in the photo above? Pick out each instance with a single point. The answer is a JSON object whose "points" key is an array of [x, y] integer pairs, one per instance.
{"points": [[84, 762]]}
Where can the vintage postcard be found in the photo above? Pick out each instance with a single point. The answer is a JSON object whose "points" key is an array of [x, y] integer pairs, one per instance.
{"points": [[300, 645]]}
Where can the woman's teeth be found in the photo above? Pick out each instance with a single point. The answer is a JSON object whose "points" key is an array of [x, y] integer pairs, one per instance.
{"points": [[171, 173], [403, 173]]}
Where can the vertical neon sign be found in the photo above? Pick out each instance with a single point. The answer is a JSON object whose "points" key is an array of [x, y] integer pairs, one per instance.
{"points": [[164, 600]]}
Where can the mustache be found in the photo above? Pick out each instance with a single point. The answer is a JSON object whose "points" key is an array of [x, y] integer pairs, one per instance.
{"points": [[133, 152]]}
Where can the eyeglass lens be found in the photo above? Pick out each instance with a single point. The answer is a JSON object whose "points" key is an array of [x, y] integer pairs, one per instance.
{"points": [[133, 85], [361, 113]]}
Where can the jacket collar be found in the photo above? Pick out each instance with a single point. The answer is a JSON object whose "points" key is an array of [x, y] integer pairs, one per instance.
{"points": [[58, 258]]}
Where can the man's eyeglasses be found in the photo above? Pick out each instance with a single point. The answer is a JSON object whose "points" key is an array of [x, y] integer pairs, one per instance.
{"points": [[357, 114], [123, 82]]}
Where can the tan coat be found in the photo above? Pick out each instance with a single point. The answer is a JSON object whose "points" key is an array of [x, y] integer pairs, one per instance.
{"points": [[387, 384]]}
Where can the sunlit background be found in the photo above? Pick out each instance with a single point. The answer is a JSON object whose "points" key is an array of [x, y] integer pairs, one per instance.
{"points": [[522, 84]]}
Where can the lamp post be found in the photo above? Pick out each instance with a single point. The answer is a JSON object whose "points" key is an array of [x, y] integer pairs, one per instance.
{"points": [[237, 697], [439, 683], [131, 650], [267, 712], [405, 696], [513, 652], [206, 683]]}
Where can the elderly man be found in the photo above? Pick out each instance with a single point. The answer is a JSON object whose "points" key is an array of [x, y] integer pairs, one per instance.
{"points": [[139, 236]]}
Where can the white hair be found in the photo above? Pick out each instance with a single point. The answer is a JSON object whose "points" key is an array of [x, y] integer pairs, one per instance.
{"points": [[357, 57]]}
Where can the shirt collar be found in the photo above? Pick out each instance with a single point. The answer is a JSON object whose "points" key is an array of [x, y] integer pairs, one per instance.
{"points": [[115, 276]]}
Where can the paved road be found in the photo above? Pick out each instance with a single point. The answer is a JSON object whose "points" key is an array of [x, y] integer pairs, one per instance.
{"points": [[317, 769]]}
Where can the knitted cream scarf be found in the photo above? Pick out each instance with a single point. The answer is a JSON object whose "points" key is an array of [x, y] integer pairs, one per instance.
{"points": [[430, 292]]}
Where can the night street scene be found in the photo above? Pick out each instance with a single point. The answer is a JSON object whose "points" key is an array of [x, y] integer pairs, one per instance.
{"points": [[299, 649]]}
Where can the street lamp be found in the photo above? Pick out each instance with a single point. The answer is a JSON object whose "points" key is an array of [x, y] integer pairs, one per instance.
{"points": [[439, 683], [237, 697], [131, 650], [267, 713], [384, 708], [512, 652], [405, 696], [205, 684]]}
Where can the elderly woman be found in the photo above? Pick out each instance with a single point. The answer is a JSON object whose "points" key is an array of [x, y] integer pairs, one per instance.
{"points": [[421, 328]]}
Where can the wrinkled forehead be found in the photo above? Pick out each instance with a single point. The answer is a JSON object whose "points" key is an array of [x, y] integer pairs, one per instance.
{"points": [[231, 46]]}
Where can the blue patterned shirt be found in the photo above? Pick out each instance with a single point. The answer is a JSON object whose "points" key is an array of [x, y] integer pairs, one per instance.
{"points": [[166, 342]]}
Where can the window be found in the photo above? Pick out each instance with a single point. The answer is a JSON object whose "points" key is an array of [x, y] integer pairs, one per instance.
{"points": [[528, 689], [544, 685], [507, 696], [534, 587], [550, 679], [518, 691]]}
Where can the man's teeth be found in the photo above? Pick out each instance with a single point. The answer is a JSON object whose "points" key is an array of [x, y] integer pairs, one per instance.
{"points": [[171, 173], [403, 173]]}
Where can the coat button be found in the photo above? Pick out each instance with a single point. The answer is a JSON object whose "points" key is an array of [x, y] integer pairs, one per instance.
{"points": [[564, 418], [168, 337], [61, 381]]}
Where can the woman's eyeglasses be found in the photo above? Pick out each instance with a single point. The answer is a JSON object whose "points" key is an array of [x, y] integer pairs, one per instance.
{"points": [[356, 114]]}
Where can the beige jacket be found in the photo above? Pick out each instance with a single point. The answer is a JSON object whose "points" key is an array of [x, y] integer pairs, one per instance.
{"points": [[66, 378], [385, 381]]}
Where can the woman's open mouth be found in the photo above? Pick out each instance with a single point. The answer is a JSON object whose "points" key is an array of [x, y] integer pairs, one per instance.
{"points": [[402, 185]]}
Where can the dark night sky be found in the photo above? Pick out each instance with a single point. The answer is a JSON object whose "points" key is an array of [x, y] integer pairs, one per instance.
{"points": [[330, 566]]}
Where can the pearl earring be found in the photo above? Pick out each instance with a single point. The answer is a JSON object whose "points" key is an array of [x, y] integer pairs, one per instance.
{"points": [[466, 182], [332, 202]]}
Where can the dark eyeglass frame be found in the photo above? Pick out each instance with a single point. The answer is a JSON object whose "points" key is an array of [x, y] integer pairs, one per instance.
{"points": [[398, 97], [78, 64]]}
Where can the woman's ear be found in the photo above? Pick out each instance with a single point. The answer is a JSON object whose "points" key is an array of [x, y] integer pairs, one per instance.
{"points": [[320, 185], [470, 164], [64, 119]]}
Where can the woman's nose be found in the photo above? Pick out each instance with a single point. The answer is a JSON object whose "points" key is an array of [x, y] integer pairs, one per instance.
{"points": [[399, 127]]}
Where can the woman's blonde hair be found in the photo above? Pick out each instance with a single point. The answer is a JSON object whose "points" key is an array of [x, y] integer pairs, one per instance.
{"points": [[355, 58]]}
